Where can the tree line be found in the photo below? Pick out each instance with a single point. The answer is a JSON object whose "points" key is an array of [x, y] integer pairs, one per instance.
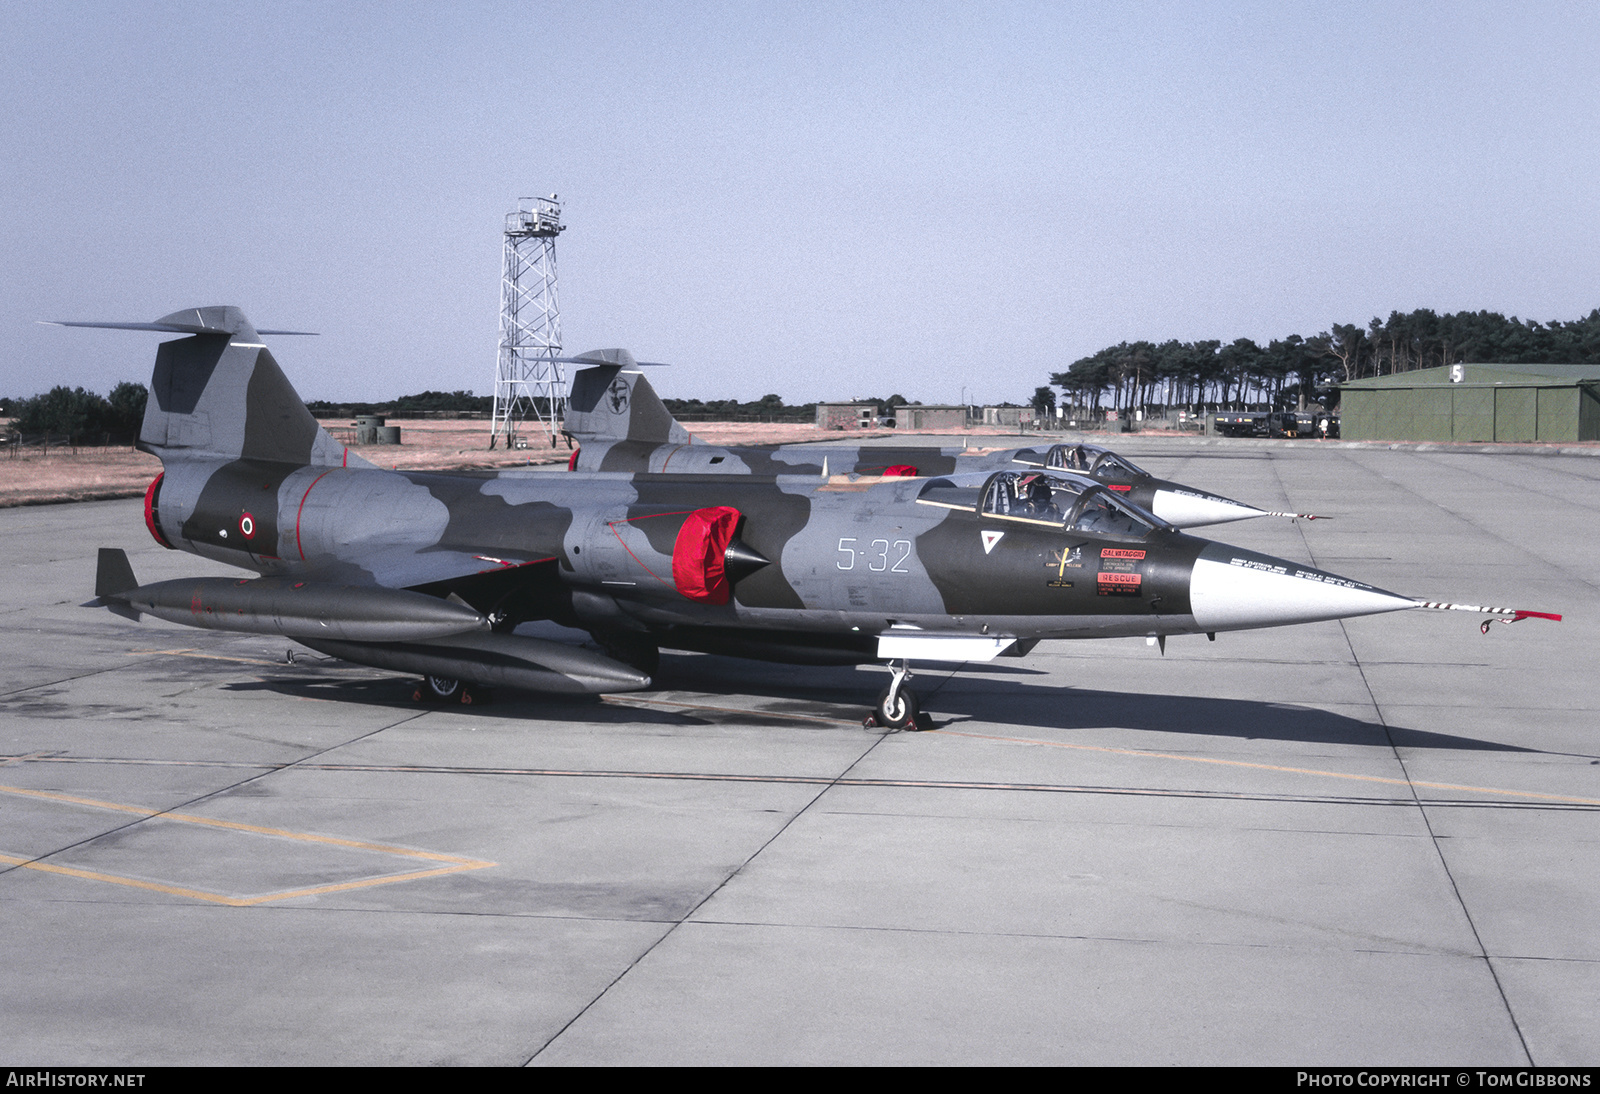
{"points": [[768, 408], [408, 406], [80, 416], [1209, 374], [1201, 375]]}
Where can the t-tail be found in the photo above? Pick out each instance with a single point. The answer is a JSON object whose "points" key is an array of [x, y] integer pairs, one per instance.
{"points": [[612, 403], [229, 429], [219, 394]]}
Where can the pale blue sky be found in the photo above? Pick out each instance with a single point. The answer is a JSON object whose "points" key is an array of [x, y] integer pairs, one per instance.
{"points": [[821, 200]]}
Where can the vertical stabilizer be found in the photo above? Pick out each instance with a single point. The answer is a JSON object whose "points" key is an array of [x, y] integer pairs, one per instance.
{"points": [[612, 401], [218, 394]]}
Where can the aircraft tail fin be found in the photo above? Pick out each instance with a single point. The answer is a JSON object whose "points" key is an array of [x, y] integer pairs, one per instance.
{"points": [[220, 394], [612, 401]]}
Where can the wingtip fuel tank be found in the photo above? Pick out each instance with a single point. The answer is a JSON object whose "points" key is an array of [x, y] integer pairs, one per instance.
{"points": [[288, 606]]}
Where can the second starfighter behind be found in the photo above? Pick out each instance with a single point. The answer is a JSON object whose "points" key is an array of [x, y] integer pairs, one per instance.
{"points": [[620, 424]]}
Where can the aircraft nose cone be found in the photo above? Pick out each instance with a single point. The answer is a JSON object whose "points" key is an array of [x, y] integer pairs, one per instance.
{"points": [[1191, 509], [1231, 589]]}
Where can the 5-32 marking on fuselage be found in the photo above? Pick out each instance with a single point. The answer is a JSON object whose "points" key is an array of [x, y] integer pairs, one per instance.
{"points": [[879, 553]]}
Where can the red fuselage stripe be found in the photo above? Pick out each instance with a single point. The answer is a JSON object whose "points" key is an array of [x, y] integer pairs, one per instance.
{"points": [[613, 526], [302, 509]]}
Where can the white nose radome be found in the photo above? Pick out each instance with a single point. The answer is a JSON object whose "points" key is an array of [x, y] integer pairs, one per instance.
{"points": [[1186, 509], [1231, 589]]}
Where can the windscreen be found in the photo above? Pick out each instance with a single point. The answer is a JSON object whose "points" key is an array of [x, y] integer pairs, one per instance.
{"points": [[1110, 465], [1100, 512], [1032, 495], [1071, 457]]}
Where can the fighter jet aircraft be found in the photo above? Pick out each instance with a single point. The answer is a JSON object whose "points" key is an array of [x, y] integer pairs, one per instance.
{"points": [[429, 573], [620, 424]]}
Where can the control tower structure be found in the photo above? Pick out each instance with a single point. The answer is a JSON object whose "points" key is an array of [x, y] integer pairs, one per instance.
{"points": [[529, 385]]}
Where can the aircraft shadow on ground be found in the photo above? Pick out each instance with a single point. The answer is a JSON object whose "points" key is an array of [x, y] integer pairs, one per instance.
{"points": [[711, 690], [396, 693], [966, 696]]}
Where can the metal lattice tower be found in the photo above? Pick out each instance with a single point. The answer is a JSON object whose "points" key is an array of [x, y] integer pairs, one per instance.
{"points": [[529, 384]]}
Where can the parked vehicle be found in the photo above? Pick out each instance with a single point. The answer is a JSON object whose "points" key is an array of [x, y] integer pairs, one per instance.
{"points": [[1291, 423], [1240, 423]]}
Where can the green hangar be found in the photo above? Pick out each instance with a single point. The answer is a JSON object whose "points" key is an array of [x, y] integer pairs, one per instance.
{"points": [[1481, 402]]}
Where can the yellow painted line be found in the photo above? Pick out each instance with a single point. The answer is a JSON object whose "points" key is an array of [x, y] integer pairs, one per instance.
{"points": [[457, 863], [1275, 767], [212, 822], [234, 901], [366, 883], [91, 875]]}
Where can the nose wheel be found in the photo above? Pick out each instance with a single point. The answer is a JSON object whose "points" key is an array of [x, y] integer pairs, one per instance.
{"points": [[898, 707]]}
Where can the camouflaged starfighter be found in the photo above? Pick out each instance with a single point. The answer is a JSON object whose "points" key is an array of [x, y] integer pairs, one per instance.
{"points": [[620, 424], [429, 573]]}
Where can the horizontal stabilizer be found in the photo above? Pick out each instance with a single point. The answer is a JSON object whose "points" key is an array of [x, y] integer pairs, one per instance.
{"points": [[169, 328], [217, 319], [619, 357]]}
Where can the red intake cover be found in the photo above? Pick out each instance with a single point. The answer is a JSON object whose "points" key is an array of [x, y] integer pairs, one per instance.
{"points": [[900, 471], [697, 557]]}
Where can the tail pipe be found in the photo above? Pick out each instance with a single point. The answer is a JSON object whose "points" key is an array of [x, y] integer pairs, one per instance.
{"points": [[152, 511]]}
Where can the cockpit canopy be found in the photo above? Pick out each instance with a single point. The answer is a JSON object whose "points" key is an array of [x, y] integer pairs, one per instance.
{"points": [[1091, 459], [1065, 501]]}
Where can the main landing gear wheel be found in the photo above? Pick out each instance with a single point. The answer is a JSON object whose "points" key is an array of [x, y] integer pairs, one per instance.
{"points": [[447, 689], [441, 688]]}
